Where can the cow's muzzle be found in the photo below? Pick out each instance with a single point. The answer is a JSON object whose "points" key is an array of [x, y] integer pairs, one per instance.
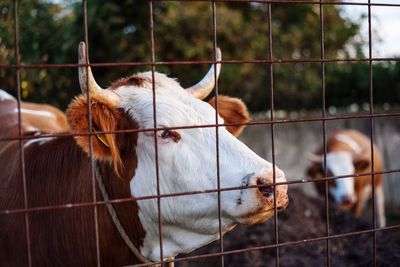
{"points": [[271, 192]]}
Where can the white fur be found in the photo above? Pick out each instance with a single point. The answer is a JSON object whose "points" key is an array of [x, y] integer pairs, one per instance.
{"points": [[380, 205], [5, 96], [37, 140], [191, 221], [350, 142], [341, 163]]}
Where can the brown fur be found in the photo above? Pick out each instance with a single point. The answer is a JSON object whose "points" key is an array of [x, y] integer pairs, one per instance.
{"points": [[233, 111], [135, 80], [60, 124], [104, 118], [175, 136], [58, 172], [362, 164]]}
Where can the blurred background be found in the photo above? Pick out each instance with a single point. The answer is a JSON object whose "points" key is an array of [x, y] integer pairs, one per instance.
{"points": [[49, 32], [119, 32]]}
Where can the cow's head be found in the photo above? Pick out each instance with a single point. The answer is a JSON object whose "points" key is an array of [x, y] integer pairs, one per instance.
{"points": [[338, 163], [187, 158]]}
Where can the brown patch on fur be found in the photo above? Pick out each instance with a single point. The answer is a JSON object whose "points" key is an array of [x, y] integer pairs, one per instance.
{"points": [[176, 137], [105, 117], [135, 80], [233, 111]]}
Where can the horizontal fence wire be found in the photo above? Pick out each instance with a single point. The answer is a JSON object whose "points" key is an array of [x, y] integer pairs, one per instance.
{"points": [[269, 61], [122, 200], [283, 244], [254, 123], [291, 2], [197, 62]]}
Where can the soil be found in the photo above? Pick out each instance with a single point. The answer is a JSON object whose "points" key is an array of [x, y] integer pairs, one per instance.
{"points": [[304, 218]]}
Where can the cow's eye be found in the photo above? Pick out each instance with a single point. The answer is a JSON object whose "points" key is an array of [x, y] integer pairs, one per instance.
{"points": [[169, 134], [165, 134]]}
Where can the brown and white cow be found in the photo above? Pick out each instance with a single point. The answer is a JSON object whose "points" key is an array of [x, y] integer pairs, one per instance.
{"points": [[348, 153], [58, 172], [34, 117]]}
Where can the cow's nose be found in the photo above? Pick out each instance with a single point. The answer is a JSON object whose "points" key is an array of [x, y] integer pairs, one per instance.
{"points": [[265, 181], [265, 188], [346, 199]]}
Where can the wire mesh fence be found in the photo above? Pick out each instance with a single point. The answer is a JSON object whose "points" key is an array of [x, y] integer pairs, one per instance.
{"points": [[271, 62]]}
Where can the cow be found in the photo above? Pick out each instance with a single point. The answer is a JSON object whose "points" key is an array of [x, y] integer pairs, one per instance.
{"points": [[58, 172], [34, 117], [349, 153]]}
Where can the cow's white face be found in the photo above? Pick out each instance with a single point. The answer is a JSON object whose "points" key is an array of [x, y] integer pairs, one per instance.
{"points": [[187, 158], [340, 164], [188, 162]]}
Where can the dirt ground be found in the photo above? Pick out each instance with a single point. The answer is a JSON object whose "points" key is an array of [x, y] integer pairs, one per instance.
{"points": [[304, 218]]}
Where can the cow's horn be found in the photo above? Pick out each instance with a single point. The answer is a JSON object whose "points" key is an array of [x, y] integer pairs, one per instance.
{"points": [[315, 158], [203, 88], [86, 72]]}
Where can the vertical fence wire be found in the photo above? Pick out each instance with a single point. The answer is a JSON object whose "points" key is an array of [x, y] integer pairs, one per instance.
{"points": [[323, 87], [153, 70], [214, 40], [371, 129], [272, 108], [90, 137], [21, 143]]}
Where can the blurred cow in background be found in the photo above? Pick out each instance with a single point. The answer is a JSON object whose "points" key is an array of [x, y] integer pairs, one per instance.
{"points": [[35, 117], [349, 153]]}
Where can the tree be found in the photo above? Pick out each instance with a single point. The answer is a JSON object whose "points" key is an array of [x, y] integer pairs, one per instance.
{"points": [[118, 31], [41, 40]]}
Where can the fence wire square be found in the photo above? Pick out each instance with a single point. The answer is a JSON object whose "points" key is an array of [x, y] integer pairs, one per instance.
{"points": [[270, 63]]}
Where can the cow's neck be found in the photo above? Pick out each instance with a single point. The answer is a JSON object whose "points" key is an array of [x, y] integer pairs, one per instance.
{"points": [[125, 220], [117, 187]]}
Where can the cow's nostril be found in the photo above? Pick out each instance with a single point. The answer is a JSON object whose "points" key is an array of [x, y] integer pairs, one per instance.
{"points": [[265, 189], [346, 200]]}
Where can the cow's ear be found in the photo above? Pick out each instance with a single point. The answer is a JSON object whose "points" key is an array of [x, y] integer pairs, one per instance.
{"points": [[104, 118], [233, 111], [315, 171], [361, 164]]}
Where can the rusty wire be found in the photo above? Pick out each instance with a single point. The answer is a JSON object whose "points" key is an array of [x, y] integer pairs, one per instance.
{"points": [[123, 200], [90, 129], [325, 145], [371, 128], [270, 62], [21, 147]]}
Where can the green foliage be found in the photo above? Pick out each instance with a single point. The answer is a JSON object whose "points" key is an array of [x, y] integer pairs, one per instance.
{"points": [[118, 31], [41, 40], [349, 83]]}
